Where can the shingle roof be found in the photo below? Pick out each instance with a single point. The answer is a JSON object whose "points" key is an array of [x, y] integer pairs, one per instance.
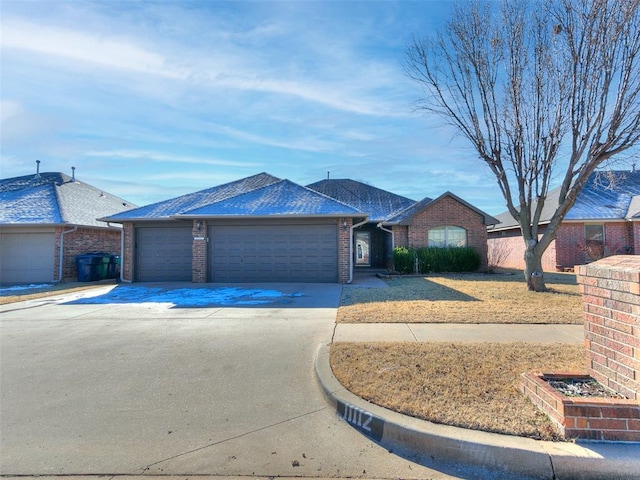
{"points": [[55, 198], [379, 203], [192, 201], [281, 198], [406, 215], [599, 199]]}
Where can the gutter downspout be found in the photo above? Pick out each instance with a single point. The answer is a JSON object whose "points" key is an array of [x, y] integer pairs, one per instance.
{"points": [[61, 252], [121, 279], [351, 248]]}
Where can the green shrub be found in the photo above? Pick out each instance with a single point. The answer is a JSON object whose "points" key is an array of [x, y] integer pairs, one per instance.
{"points": [[404, 259], [435, 260], [452, 259]]}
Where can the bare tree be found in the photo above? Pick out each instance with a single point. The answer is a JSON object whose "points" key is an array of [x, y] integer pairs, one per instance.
{"points": [[545, 92]]}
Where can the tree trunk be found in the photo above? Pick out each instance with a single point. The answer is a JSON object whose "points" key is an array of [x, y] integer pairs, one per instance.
{"points": [[533, 273]]}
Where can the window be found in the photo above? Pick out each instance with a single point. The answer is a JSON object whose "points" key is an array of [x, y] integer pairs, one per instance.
{"points": [[447, 237], [594, 241]]}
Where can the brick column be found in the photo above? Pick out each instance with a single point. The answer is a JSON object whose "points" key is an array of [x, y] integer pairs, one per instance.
{"points": [[126, 262], [611, 300], [344, 241], [199, 251]]}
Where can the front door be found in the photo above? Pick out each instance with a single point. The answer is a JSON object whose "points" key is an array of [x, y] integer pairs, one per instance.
{"points": [[363, 249]]}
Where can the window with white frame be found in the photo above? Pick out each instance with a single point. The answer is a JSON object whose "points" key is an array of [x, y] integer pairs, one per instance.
{"points": [[448, 236]]}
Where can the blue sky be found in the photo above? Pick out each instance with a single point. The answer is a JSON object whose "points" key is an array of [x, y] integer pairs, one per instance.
{"points": [[152, 100]]}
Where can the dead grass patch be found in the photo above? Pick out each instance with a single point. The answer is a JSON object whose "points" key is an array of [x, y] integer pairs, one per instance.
{"points": [[466, 298], [467, 385]]}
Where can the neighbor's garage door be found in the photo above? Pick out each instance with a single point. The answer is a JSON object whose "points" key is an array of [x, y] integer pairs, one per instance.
{"points": [[27, 257], [163, 254], [273, 253]]}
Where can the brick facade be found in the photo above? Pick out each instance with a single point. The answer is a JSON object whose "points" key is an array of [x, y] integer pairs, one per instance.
{"points": [[611, 297], [127, 265], [445, 212], [199, 251], [568, 249], [81, 241], [344, 249]]}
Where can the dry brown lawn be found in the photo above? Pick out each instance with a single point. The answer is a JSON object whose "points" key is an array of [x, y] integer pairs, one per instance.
{"points": [[467, 385], [464, 298]]}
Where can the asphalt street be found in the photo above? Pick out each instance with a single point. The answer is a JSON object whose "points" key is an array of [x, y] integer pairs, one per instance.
{"points": [[155, 389]]}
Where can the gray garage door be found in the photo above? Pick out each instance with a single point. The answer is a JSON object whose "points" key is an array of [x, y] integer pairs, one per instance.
{"points": [[273, 253], [163, 254], [27, 257]]}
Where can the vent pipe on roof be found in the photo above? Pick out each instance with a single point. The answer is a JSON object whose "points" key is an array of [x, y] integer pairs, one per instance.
{"points": [[73, 174], [37, 169], [327, 175]]}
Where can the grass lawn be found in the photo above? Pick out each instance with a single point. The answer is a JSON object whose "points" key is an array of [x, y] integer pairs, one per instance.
{"points": [[464, 298], [466, 385]]}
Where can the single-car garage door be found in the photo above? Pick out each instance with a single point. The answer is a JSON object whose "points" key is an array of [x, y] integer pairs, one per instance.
{"points": [[27, 257], [163, 254], [273, 253]]}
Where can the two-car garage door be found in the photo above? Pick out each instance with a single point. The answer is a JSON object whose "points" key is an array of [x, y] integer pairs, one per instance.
{"points": [[266, 252], [273, 253]]}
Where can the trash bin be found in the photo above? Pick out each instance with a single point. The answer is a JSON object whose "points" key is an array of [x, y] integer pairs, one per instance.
{"points": [[87, 267], [114, 267], [103, 265]]}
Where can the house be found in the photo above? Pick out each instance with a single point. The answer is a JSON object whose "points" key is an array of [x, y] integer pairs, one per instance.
{"points": [[262, 228], [396, 221], [46, 220], [605, 220]]}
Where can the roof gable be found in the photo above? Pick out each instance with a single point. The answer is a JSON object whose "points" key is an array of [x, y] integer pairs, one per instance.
{"points": [[379, 203], [278, 199], [405, 217], [193, 201], [55, 198]]}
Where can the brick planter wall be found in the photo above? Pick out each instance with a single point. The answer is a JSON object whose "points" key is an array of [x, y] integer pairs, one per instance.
{"points": [[583, 418], [611, 302], [611, 298]]}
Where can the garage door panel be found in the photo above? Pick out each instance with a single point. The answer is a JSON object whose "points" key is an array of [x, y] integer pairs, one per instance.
{"points": [[164, 254], [283, 253], [27, 257]]}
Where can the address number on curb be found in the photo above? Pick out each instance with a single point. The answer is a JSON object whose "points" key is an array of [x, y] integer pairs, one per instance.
{"points": [[364, 421]]}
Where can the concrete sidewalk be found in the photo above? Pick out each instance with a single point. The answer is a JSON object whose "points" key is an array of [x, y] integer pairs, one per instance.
{"points": [[447, 332]]}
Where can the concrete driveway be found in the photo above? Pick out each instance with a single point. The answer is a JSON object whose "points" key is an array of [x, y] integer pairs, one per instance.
{"points": [[91, 384]]}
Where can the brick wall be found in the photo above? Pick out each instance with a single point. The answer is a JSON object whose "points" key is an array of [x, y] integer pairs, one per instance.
{"points": [[344, 249], [445, 212], [199, 252], [635, 229], [584, 418], [127, 255], [82, 241], [618, 240], [611, 297], [507, 251]]}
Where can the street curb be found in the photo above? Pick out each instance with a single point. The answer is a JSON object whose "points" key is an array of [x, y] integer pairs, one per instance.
{"points": [[504, 455]]}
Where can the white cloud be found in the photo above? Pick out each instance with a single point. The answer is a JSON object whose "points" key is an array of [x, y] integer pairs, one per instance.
{"points": [[77, 46], [164, 157]]}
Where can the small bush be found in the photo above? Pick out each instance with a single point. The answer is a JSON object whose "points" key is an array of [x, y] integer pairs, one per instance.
{"points": [[404, 259], [436, 260]]}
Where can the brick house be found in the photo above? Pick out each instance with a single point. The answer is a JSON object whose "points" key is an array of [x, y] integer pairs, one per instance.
{"points": [[265, 229], [604, 221], [46, 220]]}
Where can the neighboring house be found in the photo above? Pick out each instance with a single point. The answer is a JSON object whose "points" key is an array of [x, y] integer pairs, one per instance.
{"points": [[46, 220], [262, 228], [396, 221], [605, 220]]}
